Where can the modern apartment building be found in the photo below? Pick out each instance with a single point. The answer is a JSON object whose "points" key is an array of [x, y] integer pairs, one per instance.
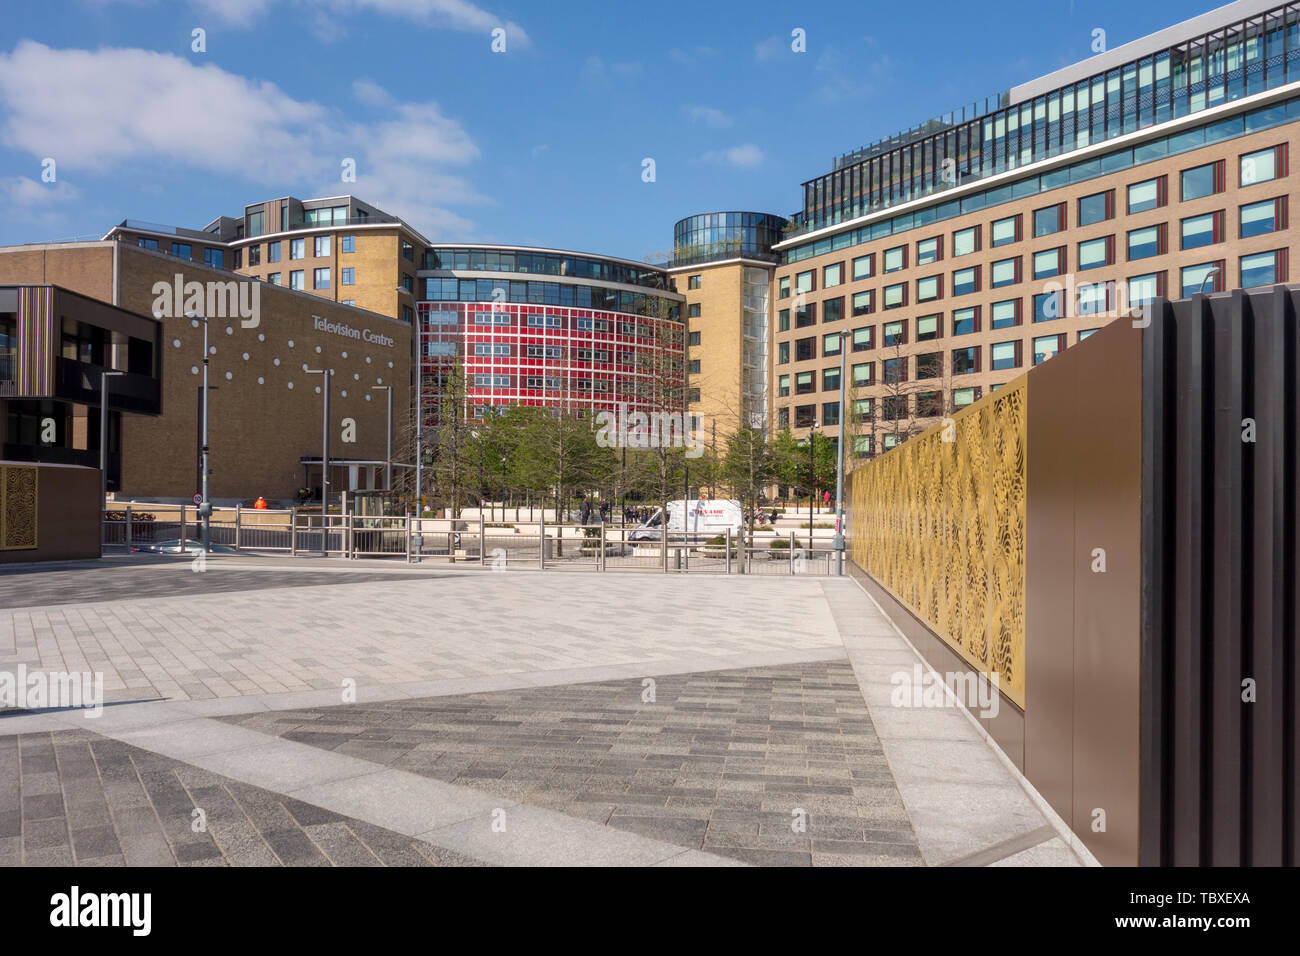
{"points": [[949, 258], [548, 328], [338, 248], [723, 264]]}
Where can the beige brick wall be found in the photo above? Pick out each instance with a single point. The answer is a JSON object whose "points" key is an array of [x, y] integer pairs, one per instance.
{"points": [[721, 347], [1230, 250]]}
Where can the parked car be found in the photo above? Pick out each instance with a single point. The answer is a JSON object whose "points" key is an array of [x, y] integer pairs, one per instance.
{"points": [[177, 546]]}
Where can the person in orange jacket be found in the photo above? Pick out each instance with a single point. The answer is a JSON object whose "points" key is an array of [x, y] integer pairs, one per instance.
{"points": [[260, 503]]}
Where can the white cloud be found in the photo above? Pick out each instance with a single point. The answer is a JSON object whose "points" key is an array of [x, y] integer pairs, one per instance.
{"points": [[745, 156], [157, 108], [460, 15], [30, 193], [714, 118], [771, 48]]}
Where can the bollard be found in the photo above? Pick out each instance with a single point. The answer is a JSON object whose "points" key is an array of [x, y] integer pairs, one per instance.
{"points": [[293, 531], [541, 541], [728, 545], [482, 540], [600, 562], [238, 515], [128, 529], [790, 552]]}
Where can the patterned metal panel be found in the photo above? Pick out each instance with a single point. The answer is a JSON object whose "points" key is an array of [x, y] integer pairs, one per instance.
{"points": [[18, 486], [939, 522]]}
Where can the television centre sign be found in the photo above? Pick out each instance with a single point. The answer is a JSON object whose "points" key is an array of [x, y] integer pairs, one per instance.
{"points": [[348, 332]]}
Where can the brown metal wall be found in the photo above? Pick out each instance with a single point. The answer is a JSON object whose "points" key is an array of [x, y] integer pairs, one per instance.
{"points": [[38, 340], [1219, 773]]}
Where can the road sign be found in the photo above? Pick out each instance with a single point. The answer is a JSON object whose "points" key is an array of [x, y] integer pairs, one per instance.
{"points": [[198, 498]]}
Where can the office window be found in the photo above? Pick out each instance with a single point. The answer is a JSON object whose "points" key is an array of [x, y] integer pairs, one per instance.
{"points": [[862, 303], [862, 446], [783, 287], [1096, 208], [832, 275], [1087, 333], [929, 365], [864, 267], [862, 409], [408, 252], [783, 418], [1194, 279], [1005, 231], [805, 349], [1005, 314], [783, 320], [693, 282], [893, 441], [296, 279], [1005, 272], [1096, 253], [322, 246], [832, 310], [1265, 268], [274, 278], [965, 241], [831, 379], [1262, 166], [348, 276], [782, 353], [1048, 306], [1004, 355], [1203, 230], [965, 361], [805, 316], [183, 250], [927, 328], [214, 258], [862, 338], [694, 338], [965, 321], [1147, 242], [1143, 289], [782, 386], [831, 344], [320, 279], [803, 282], [831, 410], [297, 248], [961, 397], [1049, 263], [273, 251], [693, 310], [895, 333], [1045, 346], [929, 404], [805, 416], [930, 288], [693, 367], [1201, 181], [1094, 298], [1049, 220], [254, 255], [347, 244], [239, 258], [896, 296], [1148, 194], [893, 408], [966, 281], [895, 259], [256, 223], [929, 251], [864, 373], [893, 370], [1259, 218]]}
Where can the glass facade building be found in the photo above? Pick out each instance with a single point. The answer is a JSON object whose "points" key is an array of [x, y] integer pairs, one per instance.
{"points": [[715, 236], [1237, 60]]}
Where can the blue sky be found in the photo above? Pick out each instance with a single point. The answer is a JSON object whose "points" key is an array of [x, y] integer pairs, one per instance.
{"points": [[540, 145]]}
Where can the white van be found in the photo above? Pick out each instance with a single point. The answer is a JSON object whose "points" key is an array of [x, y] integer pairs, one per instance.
{"points": [[698, 516]]}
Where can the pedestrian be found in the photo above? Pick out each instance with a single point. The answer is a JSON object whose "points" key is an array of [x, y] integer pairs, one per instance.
{"points": [[584, 513]]}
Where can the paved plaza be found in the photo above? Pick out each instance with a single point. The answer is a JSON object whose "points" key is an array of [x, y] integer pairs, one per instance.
{"points": [[316, 712]]}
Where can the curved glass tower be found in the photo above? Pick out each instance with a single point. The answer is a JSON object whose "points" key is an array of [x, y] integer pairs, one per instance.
{"points": [[715, 236]]}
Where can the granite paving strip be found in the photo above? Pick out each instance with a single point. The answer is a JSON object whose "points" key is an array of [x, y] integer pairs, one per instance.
{"points": [[773, 765], [967, 806], [75, 798]]}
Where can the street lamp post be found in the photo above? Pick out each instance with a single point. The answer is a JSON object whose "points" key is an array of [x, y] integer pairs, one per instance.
{"points": [[205, 506], [812, 477], [388, 453], [324, 460], [1210, 274], [838, 541], [103, 448]]}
